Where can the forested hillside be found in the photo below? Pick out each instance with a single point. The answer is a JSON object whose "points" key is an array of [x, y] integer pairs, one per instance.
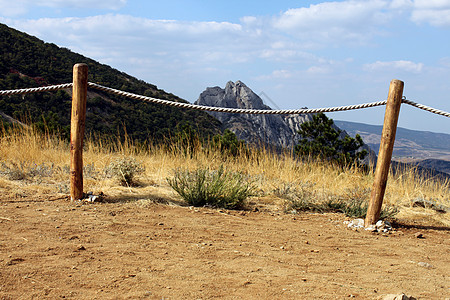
{"points": [[26, 61]]}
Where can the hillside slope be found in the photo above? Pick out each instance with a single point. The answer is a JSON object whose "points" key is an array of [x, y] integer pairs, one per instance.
{"points": [[26, 61]]}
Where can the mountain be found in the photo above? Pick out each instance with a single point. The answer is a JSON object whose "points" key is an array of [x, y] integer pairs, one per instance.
{"points": [[427, 149], [26, 61], [278, 130]]}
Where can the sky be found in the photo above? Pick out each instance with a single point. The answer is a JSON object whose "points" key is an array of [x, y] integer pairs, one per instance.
{"points": [[300, 53]]}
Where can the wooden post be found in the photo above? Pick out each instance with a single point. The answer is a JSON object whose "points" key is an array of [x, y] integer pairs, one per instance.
{"points": [[79, 95], [385, 154]]}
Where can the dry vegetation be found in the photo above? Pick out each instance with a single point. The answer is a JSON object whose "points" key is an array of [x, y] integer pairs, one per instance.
{"points": [[32, 163]]}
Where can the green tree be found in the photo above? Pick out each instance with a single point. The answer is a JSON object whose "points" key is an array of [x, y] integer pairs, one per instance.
{"points": [[322, 140], [229, 144]]}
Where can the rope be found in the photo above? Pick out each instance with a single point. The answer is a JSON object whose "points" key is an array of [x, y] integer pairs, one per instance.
{"points": [[222, 109], [235, 110], [35, 90], [427, 108]]}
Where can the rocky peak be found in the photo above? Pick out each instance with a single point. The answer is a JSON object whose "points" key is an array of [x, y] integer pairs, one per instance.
{"points": [[277, 130]]}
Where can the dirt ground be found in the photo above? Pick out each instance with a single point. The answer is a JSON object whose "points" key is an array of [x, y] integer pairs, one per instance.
{"points": [[53, 248]]}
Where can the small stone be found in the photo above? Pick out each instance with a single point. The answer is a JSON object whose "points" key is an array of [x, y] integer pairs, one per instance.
{"points": [[81, 248], [92, 198], [419, 235], [372, 228], [425, 265], [357, 223]]}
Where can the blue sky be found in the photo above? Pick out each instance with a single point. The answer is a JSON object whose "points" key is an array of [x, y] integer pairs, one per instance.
{"points": [[300, 53]]}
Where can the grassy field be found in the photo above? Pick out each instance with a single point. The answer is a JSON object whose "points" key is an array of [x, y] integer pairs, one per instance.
{"points": [[32, 163]]}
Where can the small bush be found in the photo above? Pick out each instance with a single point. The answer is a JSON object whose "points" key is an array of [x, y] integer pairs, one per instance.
{"points": [[297, 200], [217, 188], [354, 204], [13, 171], [124, 169], [25, 170]]}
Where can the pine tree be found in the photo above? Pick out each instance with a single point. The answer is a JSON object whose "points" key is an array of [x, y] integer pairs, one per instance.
{"points": [[321, 140]]}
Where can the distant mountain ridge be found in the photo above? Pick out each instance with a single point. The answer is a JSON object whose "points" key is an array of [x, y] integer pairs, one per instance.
{"points": [[427, 149]]}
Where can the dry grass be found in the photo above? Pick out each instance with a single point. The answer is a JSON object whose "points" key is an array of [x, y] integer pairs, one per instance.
{"points": [[275, 175]]}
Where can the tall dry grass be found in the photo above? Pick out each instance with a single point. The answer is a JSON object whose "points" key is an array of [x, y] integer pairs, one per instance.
{"points": [[273, 174]]}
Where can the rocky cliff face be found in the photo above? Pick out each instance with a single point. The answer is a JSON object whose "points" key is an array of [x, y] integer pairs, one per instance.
{"points": [[277, 130]]}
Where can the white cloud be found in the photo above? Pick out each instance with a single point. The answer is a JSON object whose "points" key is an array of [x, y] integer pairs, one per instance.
{"points": [[276, 74], [399, 65], [435, 17], [21, 7], [342, 14], [334, 21], [433, 12], [401, 4], [12, 8], [103, 4], [432, 4], [282, 74], [445, 61], [319, 70], [122, 39]]}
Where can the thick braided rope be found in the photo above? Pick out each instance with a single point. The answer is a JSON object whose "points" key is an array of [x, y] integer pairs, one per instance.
{"points": [[235, 110], [36, 90], [220, 109], [427, 108]]}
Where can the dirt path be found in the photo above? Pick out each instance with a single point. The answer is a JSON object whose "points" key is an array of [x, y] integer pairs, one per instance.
{"points": [[57, 249]]}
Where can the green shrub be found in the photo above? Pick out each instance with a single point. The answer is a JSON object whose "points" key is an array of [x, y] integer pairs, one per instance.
{"points": [[26, 170], [297, 199], [217, 188], [229, 145], [124, 169], [353, 204], [322, 140]]}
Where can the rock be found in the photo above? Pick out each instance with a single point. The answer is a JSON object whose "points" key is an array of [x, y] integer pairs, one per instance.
{"points": [[380, 226], [372, 228], [419, 235], [277, 130], [81, 248], [383, 226], [357, 223], [425, 265]]}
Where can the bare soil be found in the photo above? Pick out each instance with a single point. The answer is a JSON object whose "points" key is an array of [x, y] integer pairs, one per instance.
{"points": [[55, 248]]}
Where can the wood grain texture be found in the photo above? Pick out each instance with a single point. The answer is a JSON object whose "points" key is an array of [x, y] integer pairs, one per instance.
{"points": [[385, 153], [78, 120]]}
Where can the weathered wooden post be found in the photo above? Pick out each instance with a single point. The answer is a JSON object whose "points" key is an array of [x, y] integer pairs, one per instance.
{"points": [[79, 95], [394, 102]]}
